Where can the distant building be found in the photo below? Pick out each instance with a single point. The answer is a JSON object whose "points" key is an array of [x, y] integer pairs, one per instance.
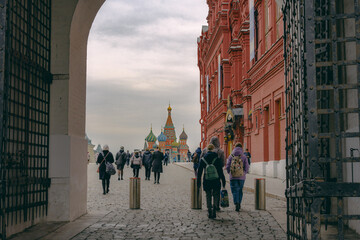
{"points": [[90, 152], [167, 141]]}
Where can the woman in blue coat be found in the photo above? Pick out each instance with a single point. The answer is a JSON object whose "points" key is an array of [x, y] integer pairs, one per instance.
{"points": [[105, 156]]}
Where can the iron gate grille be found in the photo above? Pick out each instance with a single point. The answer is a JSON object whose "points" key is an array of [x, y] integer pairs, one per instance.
{"points": [[322, 78], [25, 93]]}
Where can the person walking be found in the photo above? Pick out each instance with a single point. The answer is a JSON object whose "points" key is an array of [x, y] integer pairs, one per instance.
{"points": [[147, 160], [195, 158], [248, 155], [237, 167], [157, 167], [188, 156], [166, 158], [105, 156], [135, 163], [128, 158], [120, 162], [211, 165], [216, 142]]}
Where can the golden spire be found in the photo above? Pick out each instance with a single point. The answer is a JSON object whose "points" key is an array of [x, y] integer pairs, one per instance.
{"points": [[169, 108]]}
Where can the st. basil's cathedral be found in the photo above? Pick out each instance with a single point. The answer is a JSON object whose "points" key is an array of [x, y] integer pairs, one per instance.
{"points": [[167, 141]]}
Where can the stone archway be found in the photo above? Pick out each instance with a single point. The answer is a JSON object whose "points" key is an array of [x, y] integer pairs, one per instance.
{"points": [[71, 23]]}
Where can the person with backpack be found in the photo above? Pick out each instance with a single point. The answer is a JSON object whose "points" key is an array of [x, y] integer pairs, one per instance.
{"points": [[211, 165], [147, 160], [105, 156], [135, 163], [216, 142], [237, 167], [120, 162], [195, 159]]}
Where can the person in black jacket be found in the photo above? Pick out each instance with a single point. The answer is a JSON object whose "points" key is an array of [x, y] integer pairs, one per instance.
{"points": [[105, 156], [211, 187], [121, 158], [157, 167], [147, 160]]}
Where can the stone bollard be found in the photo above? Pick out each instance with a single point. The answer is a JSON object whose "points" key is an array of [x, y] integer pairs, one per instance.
{"points": [[196, 195], [134, 193], [260, 198]]}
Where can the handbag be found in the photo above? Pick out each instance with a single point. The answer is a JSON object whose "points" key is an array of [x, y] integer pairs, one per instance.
{"points": [[224, 198], [110, 169]]}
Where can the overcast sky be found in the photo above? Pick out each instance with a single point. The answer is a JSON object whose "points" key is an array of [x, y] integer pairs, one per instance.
{"points": [[141, 55]]}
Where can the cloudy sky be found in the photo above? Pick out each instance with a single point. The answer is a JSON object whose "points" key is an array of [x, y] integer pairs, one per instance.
{"points": [[141, 55]]}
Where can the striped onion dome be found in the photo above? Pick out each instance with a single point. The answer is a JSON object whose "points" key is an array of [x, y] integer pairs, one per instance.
{"points": [[151, 137]]}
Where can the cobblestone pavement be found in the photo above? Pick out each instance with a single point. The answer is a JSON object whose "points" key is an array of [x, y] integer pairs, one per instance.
{"points": [[166, 214]]}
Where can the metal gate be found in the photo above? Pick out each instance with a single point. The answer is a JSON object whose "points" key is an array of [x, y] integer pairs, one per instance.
{"points": [[24, 111], [322, 77]]}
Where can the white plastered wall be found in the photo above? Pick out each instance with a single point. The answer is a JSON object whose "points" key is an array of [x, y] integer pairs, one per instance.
{"points": [[275, 169], [71, 23]]}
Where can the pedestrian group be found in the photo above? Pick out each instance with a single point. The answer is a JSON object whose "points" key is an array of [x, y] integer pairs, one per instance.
{"points": [[211, 162], [208, 167], [152, 160]]}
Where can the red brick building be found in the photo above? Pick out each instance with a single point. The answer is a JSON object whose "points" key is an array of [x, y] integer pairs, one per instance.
{"points": [[240, 58]]}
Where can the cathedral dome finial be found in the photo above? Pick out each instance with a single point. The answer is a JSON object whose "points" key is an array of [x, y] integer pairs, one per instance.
{"points": [[169, 108]]}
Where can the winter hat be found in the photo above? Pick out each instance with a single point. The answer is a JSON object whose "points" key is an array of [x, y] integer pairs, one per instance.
{"points": [[198, 151], [121, 148], [105, 147], [215, 141]]}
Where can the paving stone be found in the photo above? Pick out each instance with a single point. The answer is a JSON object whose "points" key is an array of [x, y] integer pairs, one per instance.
{"points": [[165, 212]]}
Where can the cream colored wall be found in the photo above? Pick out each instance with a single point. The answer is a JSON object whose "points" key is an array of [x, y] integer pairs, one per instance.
{"points": [[71, 23]]}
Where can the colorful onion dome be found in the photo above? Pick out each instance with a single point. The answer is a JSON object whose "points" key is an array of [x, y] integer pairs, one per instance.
{"points": [[162, 137], [151, 137], [183, 135]]}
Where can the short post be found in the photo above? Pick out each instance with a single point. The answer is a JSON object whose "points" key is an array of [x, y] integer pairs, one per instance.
{"points": [[196, 195], [134, 193], [260, 198]]}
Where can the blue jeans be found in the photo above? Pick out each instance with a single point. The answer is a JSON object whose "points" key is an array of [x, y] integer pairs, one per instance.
{"points": [[237, 190]]}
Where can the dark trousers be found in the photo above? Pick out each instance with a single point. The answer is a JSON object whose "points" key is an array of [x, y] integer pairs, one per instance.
{"points": [[156, 176], [106, 184], [136, 172], [147, 172], [237, 190], [212, 198]]}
